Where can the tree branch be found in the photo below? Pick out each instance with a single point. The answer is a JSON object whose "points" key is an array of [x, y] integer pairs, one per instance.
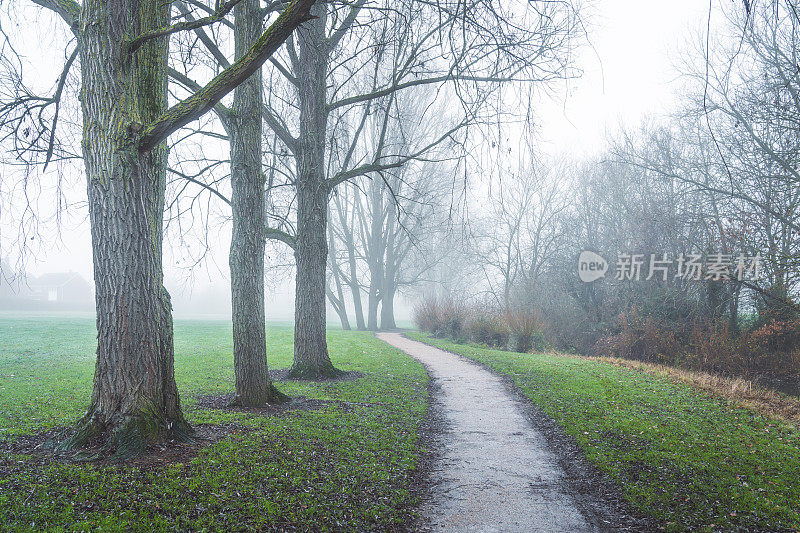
{"points": [[57, 100], [362, 170], [206, 186], [345, 26], [279, 128], [277, 235], [413, 83], [206, 40], [69, 10], [202, 101], [223, 112], [218, 15]]}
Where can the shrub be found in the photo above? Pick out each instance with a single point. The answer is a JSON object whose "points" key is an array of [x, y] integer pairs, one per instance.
{"points": [[527, 331], [427, 314], [712, 348], [640, 338], [487, 327], [772, 349], [768, 352], [775, 336], [441, 317], [453, 318]]}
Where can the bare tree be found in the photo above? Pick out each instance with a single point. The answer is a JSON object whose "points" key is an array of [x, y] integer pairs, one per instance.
{"points": [[353, 60], [123, 49], [736, 142], [253, 386], [388, 234], [522, 232]]}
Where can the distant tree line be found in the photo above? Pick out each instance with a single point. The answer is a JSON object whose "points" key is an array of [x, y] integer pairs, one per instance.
{"points": [[718, 179]]}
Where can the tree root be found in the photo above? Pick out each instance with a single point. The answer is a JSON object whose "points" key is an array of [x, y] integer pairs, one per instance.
{"points": [[274, 397], [314, 372], [125, 436]]}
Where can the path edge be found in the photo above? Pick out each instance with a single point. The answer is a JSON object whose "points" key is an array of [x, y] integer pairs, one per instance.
{"points": [[597, 496]]}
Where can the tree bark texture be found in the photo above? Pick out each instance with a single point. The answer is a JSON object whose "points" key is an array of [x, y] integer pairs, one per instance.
{"points": [[246, 259], [135, 398], [311, 359]]}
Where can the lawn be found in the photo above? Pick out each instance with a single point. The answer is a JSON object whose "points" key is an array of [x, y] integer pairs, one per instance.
{"points": [[343, 466], [682, 456]]}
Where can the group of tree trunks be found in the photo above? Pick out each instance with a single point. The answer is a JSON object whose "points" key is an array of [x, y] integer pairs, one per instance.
{"points": [[123, 48], [126, 119]]}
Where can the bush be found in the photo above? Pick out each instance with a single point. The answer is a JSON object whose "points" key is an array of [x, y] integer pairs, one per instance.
{"points": [[487, 327], [781, 336], [427, 315], [441, 317], [453, 318], [712, 348], [771, 350], [642, 339], [527, 331], [518, 331]]}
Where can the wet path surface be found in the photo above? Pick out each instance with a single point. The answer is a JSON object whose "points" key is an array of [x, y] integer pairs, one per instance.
{"points": [[494, 470]]}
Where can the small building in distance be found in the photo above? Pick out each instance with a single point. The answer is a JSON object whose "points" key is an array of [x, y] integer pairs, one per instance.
{"points": [[57, 291], [62, 288]]}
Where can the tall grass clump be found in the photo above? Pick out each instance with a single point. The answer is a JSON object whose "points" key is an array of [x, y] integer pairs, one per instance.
{"points": [[520, 330]]}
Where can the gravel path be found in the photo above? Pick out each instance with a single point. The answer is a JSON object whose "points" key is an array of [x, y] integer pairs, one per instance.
{"points": [[494, 470]]}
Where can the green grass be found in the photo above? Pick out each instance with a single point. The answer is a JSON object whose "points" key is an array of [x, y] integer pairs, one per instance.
{"points": [[681, 456], [336, 468]]}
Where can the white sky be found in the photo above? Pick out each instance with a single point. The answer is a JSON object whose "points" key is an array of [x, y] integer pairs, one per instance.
{"points": [[628, 74]]}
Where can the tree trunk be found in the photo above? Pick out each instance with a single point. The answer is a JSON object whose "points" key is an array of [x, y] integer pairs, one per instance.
{"points": [[355, 291], [375, 253], [336, 299], [135, 398], [387, 302], [311, 360], [389, 276], [372, 304], [246, 259], [352, 281]]}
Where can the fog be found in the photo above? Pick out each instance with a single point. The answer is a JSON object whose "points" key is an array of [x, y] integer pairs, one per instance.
{"points": [[627, 74]]}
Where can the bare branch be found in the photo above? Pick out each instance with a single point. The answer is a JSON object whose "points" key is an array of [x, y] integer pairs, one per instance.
{"points": [[278, 235], [204, 100], [69, 10], [218, 15], [207, 187], [57, 100]]}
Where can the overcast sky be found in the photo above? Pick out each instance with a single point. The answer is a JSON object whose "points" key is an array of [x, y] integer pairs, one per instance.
{"points": [[628, 74]]}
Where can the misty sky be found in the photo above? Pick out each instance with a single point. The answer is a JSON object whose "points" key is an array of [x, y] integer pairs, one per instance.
{"points": [[628, 74]]}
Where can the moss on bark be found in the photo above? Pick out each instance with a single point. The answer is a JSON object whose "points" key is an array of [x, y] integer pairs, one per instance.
{"points": [[127, 436]]}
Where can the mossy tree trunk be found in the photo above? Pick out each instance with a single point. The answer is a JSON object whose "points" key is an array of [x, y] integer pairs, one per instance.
{"points": [[123, 49], [253, 386], [135, 398], [311, 359]]}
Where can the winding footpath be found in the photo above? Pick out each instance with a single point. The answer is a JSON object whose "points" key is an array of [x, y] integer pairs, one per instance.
{"points": [[495, 471]]}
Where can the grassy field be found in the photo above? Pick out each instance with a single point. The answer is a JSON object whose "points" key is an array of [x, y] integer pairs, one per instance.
{"points": [[689, 459], [344, 466]]}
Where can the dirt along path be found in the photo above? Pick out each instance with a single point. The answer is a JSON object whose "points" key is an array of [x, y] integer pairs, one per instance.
{"points": [[494, 470]]}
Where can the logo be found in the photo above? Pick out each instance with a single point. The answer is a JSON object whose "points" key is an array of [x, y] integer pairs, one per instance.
{"points": [[591, 266], [720, 267]]}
